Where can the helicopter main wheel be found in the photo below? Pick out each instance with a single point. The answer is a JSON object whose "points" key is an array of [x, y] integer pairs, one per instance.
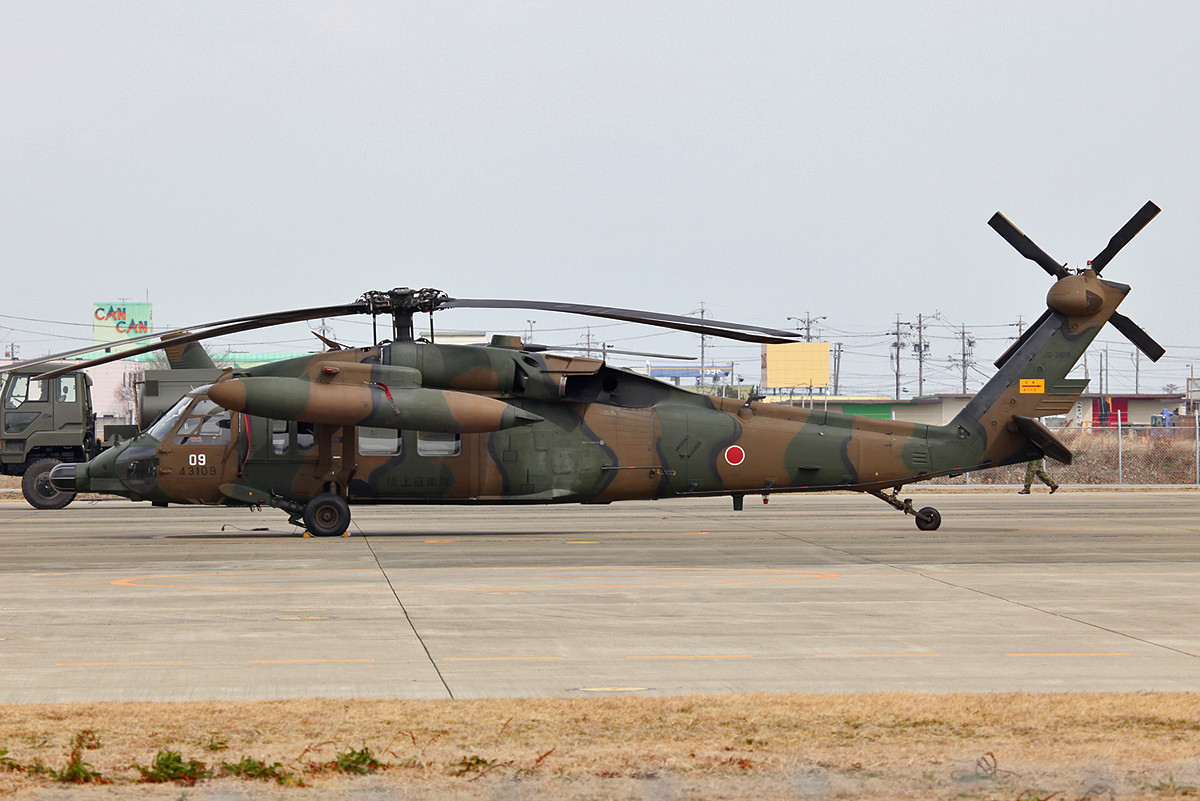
{"points": [[327, 515], [37, 489], [928, 519]]}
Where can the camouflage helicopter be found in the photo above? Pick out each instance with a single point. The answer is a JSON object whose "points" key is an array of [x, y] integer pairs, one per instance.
{"points": [[416, 422]]}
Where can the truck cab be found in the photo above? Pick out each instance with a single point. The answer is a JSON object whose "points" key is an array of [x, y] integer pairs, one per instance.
{"points": [[43, 423]]}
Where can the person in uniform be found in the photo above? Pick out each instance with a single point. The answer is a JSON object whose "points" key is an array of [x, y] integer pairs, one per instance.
{"points": [[1036, 469]]}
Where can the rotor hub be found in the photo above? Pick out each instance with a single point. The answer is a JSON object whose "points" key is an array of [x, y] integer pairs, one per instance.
{"points": [[1076, 295]]}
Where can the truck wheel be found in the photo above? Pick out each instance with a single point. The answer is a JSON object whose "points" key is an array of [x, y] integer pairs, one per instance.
{"points": [[327, 515], [35, 486]]}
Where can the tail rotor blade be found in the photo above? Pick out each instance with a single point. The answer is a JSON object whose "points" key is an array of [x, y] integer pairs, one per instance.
{"points": [[1128, 231], [1134, 333], [1026, 246]]}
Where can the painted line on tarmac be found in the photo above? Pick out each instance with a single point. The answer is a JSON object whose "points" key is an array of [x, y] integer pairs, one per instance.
{"points": [[895, 656], [1076, 654], [695, 656], [868, 656], [140, 581], [664, 657], [640, 578], [502, 659], [111, 664], [302, 661]]}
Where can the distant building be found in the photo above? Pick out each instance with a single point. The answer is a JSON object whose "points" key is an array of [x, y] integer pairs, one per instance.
{"points": [[688, 375], [1090, 410]]}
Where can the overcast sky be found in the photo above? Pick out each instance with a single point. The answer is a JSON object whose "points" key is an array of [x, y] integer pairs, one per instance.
{"points": [[765, 160]]}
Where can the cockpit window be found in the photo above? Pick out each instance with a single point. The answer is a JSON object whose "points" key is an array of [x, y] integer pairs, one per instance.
{"points": [[205, 423], [165, 423]]}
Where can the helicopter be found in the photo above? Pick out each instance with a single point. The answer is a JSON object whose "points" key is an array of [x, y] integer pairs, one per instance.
{"points": [[408, 421]]}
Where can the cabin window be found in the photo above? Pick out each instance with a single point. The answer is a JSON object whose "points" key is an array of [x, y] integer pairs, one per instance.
{"points": [[289, 437], [305, 438], [379, 442], [436, 444], [279, 437]]}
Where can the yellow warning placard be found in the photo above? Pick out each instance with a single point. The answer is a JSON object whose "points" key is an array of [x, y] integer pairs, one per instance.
{"points": [[1033, 386]]}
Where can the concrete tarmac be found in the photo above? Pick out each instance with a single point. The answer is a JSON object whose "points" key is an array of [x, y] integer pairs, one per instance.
{"points": [[112, 600]]}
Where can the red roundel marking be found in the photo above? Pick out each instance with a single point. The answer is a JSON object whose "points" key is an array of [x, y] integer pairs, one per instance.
{"points": [[735, 455]]}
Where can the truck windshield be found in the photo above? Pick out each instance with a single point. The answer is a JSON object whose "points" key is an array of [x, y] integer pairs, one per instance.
{"points": [[21, 390]]}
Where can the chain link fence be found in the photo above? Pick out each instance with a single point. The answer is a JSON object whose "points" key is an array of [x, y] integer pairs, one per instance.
{"points": [[1134, 455]]}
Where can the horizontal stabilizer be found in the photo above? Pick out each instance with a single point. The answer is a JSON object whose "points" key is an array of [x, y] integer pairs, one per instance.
{"points": [[1044, 438]]}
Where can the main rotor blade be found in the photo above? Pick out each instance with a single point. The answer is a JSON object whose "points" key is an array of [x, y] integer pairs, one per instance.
{"points": [[1135, 334], [235, 325], [535, 348], [1128, 231], [717, 328], [1026, 246]]}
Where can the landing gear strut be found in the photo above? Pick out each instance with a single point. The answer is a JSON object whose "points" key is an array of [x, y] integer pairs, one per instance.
{"points": [[928, 519]]}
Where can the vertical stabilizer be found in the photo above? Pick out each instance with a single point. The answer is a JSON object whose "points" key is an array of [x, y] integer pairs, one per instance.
{"points": [[999, 425], [187, 355]]}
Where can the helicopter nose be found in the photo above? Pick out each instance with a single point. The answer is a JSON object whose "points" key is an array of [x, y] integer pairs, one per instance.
{"points": [[62, 477]]}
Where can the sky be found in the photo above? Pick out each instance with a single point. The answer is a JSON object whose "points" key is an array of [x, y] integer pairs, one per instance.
{"points": [[758, 160]]}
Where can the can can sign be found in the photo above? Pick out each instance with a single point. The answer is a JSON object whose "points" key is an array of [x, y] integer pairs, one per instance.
{"points": [[734, 455]]}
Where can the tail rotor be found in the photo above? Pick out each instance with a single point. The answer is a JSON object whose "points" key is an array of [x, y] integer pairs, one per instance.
{"points": [[1030, 250]]}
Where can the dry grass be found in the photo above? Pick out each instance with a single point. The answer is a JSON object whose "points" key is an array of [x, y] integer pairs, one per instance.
{"points": [[893, 745]]}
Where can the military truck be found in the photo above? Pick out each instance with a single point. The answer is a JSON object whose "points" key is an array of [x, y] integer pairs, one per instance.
{"points": [[43, 423]]}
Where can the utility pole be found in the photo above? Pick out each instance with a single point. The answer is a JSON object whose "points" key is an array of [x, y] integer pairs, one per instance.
{"points": [[921, 349], [1103, 357], [837, 365], [968, 346], [703, 344], [896, 347], [963, 361], [807, 321], [1192, 409], [1107, 372]]}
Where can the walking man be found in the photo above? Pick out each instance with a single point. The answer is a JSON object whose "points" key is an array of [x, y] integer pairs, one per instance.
{"points": [[1036, 469]]}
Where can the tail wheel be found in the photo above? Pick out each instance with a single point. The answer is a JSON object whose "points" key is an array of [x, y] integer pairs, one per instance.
{"points": [[928, 519], [327, 515], [36, 487]]}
